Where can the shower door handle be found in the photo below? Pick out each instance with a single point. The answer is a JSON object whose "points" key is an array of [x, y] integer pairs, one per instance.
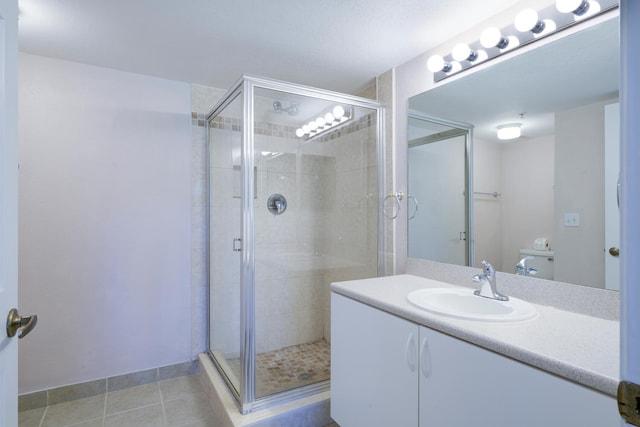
{"points": [[237, 244]]}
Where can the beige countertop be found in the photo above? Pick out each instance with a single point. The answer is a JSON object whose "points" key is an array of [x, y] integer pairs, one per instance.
{"points": [[578, 347]]}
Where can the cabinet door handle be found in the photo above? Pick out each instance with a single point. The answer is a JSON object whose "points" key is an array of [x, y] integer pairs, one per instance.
{"points": [[411, 353], [425, 359]]}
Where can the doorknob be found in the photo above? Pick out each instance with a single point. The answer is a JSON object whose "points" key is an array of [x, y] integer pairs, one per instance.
{"points": [[614, 251], [21, 325]]}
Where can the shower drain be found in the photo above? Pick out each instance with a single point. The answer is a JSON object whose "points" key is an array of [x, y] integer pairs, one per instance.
{"points": [[304, 376]]}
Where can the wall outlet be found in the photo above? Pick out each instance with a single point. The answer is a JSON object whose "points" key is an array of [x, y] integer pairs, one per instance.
{"points": [[572, 220]]}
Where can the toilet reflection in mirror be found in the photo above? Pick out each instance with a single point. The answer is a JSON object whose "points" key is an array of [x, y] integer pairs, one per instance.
{"points": [[558, 179]]}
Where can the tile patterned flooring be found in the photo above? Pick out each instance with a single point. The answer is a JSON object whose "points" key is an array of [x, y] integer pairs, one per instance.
{"points": [[289, 367], [179, 402]]}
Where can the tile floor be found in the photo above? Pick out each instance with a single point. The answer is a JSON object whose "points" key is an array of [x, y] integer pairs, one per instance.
{"points": [[179, 402]]}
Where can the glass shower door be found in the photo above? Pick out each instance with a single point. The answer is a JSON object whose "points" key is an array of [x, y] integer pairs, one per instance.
{"points": [[225, 241]]}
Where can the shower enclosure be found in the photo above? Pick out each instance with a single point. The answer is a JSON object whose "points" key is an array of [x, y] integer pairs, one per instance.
{"points": [[293, 206]]}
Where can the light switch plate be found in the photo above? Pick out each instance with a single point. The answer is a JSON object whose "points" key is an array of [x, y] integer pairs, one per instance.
{"points": [[572, 220]]}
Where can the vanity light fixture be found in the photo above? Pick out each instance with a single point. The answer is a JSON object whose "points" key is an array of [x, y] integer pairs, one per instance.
{"points": [[529, 26], [509, 131], [337, 116]]}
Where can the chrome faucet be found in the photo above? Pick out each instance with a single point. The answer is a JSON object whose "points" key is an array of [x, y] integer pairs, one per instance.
{"points": [[523, 270], [487, 282]]}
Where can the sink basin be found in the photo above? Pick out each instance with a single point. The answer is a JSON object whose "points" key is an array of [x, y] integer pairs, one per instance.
{"points": [[462, 303]]}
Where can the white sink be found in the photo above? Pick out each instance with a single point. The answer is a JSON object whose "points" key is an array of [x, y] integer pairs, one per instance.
{"points": [[462, 303]]}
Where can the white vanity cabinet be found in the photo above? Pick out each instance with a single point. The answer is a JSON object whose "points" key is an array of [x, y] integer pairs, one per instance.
{"points": [[374, 366], [387, 371]]}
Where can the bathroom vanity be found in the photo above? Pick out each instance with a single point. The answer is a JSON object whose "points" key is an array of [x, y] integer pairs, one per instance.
{"points": [[396, 364]]}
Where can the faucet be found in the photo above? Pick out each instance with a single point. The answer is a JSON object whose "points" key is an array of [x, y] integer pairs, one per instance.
{"points": [[487, 282], [523, 270]]}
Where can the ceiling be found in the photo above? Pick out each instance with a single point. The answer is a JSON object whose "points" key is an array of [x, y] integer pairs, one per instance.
{"points": [[339, 45]]}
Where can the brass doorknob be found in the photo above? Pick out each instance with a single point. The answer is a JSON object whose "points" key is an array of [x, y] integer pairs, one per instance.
{"points": [[21, 325], [614, 251]]}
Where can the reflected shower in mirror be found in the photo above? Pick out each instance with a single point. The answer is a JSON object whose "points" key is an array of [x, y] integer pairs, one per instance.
{"points": [[437, 179], [548, 196]]}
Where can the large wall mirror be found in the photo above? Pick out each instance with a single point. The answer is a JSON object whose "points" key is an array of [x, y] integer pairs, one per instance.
{"points": [[548, 197]]}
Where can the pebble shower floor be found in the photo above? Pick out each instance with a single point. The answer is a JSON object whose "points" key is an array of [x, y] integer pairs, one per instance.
{"points": [[289, 367]]}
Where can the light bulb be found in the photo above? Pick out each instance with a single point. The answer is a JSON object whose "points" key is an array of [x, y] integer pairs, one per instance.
{"points": [[313, 125], [437, 63], [299, 133], [462, 52], [527, 20], [328, 118], [492, 37], [306, 129], [338, 112], [509, 131], [577, 7], [320, 122]]}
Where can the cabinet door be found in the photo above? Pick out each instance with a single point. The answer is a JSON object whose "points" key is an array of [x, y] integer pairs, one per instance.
{"points": [[374, 364], [463, 385]]}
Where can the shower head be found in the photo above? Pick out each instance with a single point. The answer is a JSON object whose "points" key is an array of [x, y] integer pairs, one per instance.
{"points": [[291, 110]]}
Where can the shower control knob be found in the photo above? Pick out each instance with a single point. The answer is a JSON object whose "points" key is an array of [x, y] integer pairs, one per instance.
{"points": [[277, 204]]}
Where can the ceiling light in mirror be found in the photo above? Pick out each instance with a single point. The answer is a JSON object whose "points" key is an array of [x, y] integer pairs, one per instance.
{"points": [[509, 131]]}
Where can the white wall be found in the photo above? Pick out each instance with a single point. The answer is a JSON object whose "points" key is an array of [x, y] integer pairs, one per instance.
{"points": [[487, 210], [527, 196], [104, 222], [580, 189]]}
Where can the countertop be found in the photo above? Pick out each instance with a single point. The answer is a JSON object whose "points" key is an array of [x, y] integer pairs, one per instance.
{"points": [[578, 347]]}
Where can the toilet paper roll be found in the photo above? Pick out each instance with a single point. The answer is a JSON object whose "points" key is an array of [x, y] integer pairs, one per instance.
{"points": [[541, 244]]}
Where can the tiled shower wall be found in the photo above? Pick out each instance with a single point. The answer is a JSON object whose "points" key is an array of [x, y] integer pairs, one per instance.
{"points": [[328, 233]]}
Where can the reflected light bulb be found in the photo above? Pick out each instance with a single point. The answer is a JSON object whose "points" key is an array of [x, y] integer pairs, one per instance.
{"points": [[320, 122], [328, 118], [299, 133], [313, 125], [338, 112], [306, 129], [527, 20]]}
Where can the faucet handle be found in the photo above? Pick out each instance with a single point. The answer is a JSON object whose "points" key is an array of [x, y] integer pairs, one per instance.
{"points": [[488, 268]]}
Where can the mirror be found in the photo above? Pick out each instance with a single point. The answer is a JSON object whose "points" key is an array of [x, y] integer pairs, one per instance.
{"points": [[548, 196]]}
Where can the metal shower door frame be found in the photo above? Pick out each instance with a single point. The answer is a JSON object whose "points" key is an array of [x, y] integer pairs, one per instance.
{"points": [[245, 87]]}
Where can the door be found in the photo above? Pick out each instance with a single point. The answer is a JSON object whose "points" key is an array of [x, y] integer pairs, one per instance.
{"points": [[611, 201], [630, 192], [8, 208]]}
